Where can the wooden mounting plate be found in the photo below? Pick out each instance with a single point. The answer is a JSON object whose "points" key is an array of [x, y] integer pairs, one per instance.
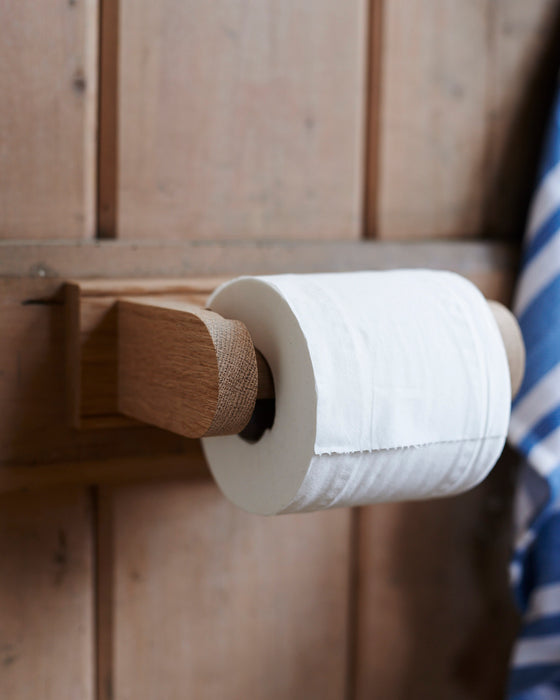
{"points": [[91, 340]]}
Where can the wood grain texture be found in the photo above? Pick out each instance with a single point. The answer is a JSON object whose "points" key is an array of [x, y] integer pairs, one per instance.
{"points": [[240, 120], [208, 602], [184, 368], [475, 259], [48, 120], [34, 427], [436, 619], [459, 123], [46, 596], [155, 465], [92, 342], [433, 118]]}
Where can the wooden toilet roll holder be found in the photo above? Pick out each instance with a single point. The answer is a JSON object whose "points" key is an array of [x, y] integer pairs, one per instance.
{"points": [[149, 351]]}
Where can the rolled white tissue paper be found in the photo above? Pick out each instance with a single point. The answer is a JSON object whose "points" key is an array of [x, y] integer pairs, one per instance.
{"points": [[389, 386]]}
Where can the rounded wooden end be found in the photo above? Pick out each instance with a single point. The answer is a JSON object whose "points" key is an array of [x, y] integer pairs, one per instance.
{"points": [[513, 342], [237, 375]]}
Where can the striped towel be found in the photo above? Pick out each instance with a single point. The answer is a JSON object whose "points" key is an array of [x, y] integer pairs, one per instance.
{"points": [[535, 431]]}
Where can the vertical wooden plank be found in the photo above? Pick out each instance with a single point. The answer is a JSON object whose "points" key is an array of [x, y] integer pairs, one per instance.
{"points": [[241, 120], [46, 596], [433, 118], [460, 115], [436, 618], [48, 115], [210, 602]]}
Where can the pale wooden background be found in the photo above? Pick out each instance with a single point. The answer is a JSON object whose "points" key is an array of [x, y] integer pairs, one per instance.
{"points": [[191, 138]]}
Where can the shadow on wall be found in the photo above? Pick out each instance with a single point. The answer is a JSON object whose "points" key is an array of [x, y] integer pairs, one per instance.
{"points": [[437, 619], [463, 635], [509, 195]]}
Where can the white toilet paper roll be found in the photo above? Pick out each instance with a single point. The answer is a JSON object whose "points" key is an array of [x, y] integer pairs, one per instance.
{"points": [[389, 386]]}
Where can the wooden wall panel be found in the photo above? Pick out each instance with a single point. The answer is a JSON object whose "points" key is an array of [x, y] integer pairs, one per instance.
{"points": [[239, 120], [436, 618], [46, 596], [455, 141], [206, 601], [48, 113]]}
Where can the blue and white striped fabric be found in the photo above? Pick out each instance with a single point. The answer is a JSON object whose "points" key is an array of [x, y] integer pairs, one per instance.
{"points": [[535, 431]]}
